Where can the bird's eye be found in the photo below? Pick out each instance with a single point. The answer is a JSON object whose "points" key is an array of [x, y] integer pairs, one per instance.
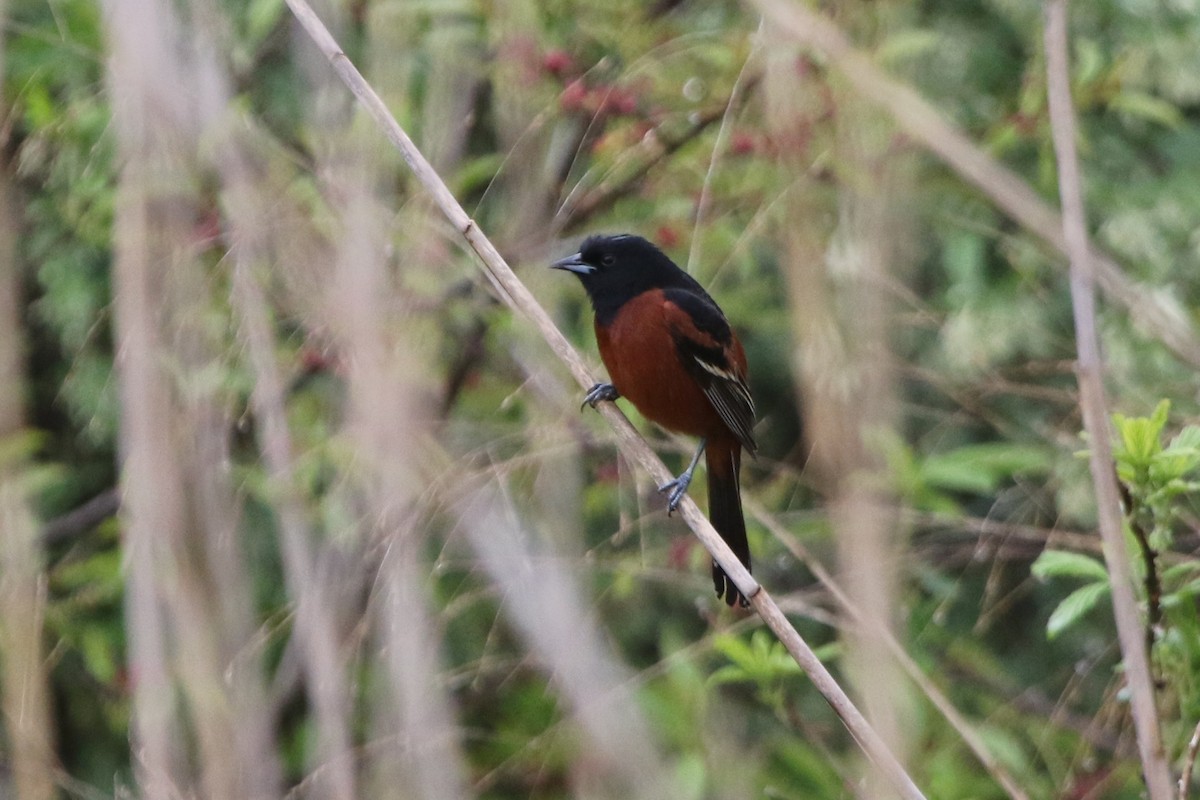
{"points": [[608, 259]]}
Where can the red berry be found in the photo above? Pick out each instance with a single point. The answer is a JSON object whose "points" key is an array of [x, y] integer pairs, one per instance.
{"points": [[313, 360], [741, 143], [608, 473], [680, 551], [573, 96], [207, 228], [667, 236], [557, 62], [1025, 124], [620, 102]]}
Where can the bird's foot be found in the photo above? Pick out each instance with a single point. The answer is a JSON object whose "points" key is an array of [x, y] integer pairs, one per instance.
{"points": [[599, 393], [675, 490]]}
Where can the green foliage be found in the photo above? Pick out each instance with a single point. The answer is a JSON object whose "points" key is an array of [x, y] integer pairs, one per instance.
{"points": [[1060, 564], [762, 662], [64, 168], [1159, 486], [933, 481], [1075, 605], [1160, 479], [541, 105]]}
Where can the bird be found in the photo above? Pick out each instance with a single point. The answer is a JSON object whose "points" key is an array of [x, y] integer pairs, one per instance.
{"points": [[670, 351]]}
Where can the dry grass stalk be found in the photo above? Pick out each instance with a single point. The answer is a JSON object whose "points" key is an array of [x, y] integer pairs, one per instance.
{"points": [[148, 229], [315, 627], [189, 617], [391, 412], [841, 318], [1092, 402], [382, 337], [867, 254]]}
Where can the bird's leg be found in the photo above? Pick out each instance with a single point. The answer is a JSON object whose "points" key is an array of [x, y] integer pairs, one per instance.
{"points": [[598, 393], [678, 487]]}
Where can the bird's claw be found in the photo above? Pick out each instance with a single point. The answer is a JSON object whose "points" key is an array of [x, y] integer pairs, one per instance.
{"points": [[599, 393], [675, 490]]}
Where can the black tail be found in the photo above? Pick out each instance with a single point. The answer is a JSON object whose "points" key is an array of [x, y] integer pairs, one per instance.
{"points": [[724, 461]]}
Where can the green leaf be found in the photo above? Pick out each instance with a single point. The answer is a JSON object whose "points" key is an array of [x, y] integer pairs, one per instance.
{"points": [[476, 173], [1063, 564], [734, 648], [261, 18], [40, 108], [691, 775], [20, 446], [1187, 439], [1176, 571], [1090, 61], [728, 674], [1147, 107], [1140, 437], [1178, 458], [1159, 417], [1182, 595], [982, 468], [762, 660], [1074, 606], [97, 648], [901, 462], [906, 46]]}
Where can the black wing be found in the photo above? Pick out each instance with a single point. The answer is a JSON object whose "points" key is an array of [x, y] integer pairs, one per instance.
{"points": [[707, 350]]}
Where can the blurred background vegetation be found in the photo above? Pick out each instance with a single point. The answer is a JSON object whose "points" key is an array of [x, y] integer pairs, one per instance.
{"points": [[367, 546]]}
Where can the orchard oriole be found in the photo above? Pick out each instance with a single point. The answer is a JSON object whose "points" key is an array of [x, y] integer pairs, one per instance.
{"points": [[670, 351]]}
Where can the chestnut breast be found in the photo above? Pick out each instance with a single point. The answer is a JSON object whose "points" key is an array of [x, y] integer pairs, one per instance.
{"points": [[639, 350]]}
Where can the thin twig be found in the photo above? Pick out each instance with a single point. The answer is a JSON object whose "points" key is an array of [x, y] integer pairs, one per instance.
{"points": [[740, 86], [1095, 408], [1151, 582], [656, 147], [517, 296], [79, 521]]}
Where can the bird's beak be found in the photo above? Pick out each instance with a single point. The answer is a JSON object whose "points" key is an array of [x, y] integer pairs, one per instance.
{"points": [[574, 264]]}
